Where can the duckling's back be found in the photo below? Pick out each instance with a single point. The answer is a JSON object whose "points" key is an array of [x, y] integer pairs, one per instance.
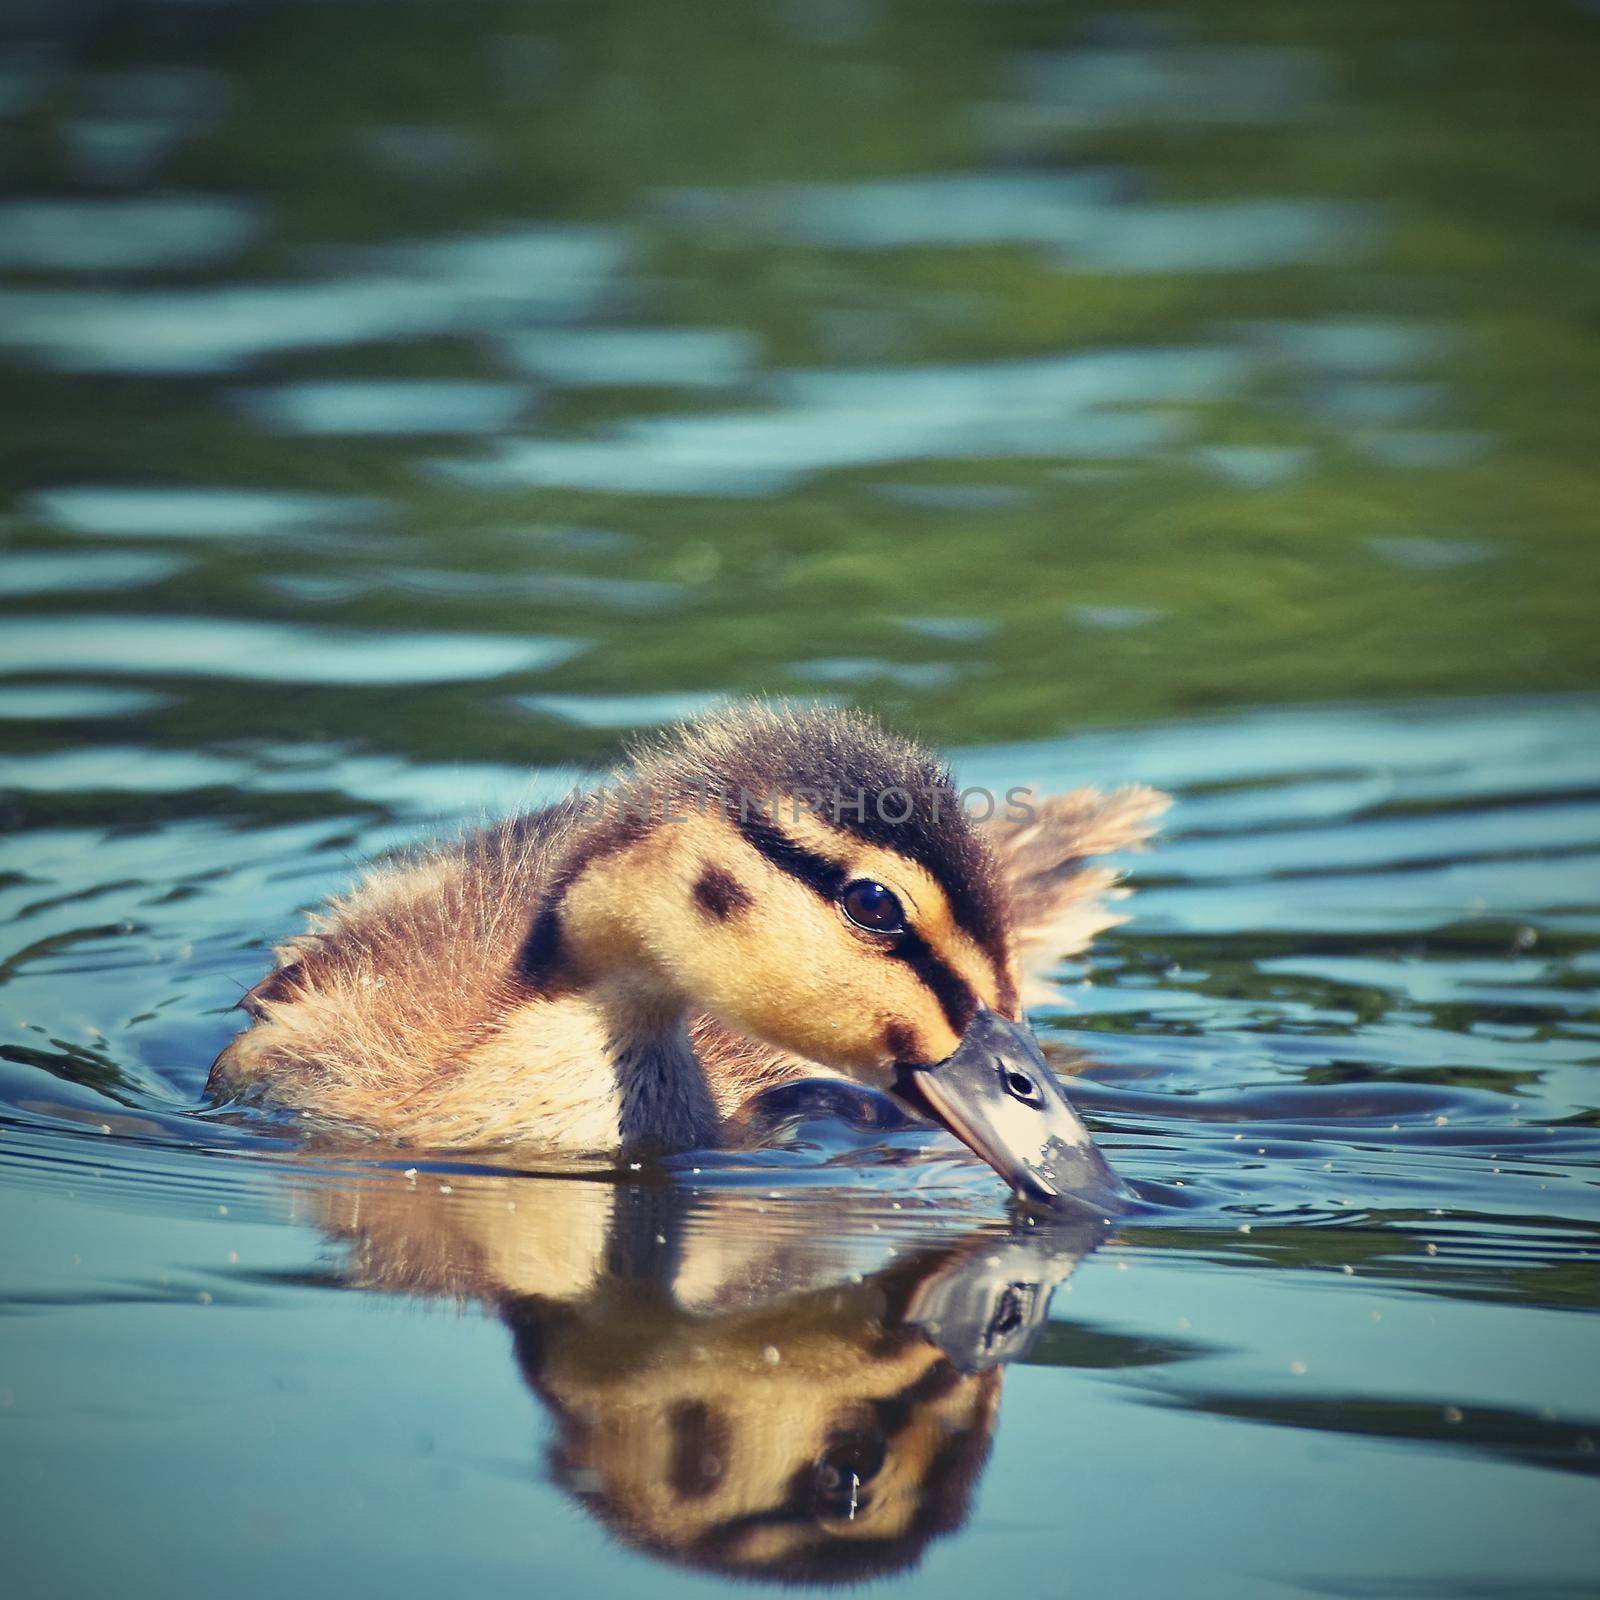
{"points": [[398, 979]]}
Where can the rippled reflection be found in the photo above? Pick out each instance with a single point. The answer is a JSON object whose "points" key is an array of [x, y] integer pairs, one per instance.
{"points": [[808, 1395], [405, 401]]}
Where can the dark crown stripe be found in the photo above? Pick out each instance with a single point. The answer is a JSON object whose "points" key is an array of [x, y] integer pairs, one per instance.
{"points": [[817, 872], [540, 956]]}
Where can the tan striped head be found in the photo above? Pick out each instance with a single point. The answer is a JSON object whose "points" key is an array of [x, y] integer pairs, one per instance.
{"points": [[806, 877], [810, 880]]}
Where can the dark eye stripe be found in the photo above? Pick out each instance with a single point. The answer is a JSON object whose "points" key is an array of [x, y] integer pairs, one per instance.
{"points": [[789, 855], [955, 996], [901, 1041]]}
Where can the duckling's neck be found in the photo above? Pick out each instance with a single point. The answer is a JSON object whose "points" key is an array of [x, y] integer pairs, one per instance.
{"points": [[592, 968], [598, 1067], [663, 1100]]}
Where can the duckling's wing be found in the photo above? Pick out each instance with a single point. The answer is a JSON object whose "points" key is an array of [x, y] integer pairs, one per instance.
{"points": [[1058, 901], [404, 972]]}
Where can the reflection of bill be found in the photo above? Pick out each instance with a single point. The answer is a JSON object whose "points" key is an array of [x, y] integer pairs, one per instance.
{"points": [[803, 1392]]}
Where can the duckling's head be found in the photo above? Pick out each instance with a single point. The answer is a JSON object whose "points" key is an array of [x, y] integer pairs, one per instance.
{"points": [[810, 879]]}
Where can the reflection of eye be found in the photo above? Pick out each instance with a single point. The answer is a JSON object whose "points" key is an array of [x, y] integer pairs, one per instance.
{"points": [[850, 1462], [1021, 1087], [869, 905], [1008, 1314]]}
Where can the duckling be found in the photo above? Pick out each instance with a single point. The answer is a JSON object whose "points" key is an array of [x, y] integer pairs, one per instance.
{"points": [[762, 895]]}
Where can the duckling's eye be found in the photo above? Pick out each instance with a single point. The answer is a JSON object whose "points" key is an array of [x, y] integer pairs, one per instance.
{"points": [[850, 1463], [869, 905]]}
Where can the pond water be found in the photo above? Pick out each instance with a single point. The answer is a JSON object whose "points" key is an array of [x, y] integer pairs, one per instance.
{"points": [[1345, 1051], [403, 402]]}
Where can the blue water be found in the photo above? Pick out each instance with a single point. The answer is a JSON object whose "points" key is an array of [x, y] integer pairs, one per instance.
{"points": [[1344, 1050], [404, 402]]}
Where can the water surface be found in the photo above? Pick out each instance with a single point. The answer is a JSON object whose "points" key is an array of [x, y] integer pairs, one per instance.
{"points": [[1201, 398], [1345, 1051]]}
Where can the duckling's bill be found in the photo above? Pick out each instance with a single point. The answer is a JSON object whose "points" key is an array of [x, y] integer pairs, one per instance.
{"points": [[997, 1094]]}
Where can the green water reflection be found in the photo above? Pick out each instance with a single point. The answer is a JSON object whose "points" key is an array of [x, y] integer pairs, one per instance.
{"points": [[1295, 306]]}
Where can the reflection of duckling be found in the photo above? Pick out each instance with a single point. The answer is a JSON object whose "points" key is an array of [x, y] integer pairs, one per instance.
{"points": [[728, 1389], [842, 1457], [596, 976]]}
